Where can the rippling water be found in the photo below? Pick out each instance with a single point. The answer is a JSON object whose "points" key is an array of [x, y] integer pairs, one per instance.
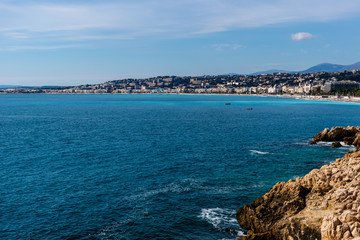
{"points": [[150, 166]]}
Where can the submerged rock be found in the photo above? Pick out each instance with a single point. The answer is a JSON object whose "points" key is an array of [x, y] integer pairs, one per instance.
{"points": [[324, 204]]}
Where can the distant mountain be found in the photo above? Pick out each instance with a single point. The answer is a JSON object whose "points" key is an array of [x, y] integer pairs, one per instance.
{"points": [[323, 67], [18, 86], [12, 86], [54, 87], [351, 67], [232, 74], [271, 71]]}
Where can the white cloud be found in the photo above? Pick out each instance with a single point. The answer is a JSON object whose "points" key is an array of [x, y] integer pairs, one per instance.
{"points": [[301, 36]]}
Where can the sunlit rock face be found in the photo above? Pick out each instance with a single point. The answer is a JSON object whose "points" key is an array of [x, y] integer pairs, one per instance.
{"points": [[324, 204]]}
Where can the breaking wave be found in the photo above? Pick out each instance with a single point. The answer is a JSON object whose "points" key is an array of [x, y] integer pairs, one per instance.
{"points": [[222, 220], [258, 152]]}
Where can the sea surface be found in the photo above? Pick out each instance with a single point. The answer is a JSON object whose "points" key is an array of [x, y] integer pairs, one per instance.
{"points": [[151, 166]]}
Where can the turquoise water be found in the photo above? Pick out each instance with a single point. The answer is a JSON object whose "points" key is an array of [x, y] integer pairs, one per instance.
{"points": [[151, 166]]}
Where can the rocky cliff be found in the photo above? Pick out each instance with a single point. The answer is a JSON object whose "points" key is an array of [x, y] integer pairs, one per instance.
{"points": [[324, 204]]}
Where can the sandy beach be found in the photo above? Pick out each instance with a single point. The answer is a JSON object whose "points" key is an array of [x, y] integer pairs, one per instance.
{"points": [[321, 98]]}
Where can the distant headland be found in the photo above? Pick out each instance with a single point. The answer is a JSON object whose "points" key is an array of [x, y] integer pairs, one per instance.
{"points": [[322, 67]]}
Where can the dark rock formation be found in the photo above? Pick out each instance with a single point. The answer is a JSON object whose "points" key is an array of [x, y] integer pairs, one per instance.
{"points": [[336, 145], [324, 204], [350, 135]]}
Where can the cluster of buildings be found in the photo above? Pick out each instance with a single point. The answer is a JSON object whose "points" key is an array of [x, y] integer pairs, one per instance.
{"points": [[276, 83]]}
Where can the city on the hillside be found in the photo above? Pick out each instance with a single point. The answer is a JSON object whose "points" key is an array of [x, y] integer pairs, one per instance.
{"points": [[336, 84]]}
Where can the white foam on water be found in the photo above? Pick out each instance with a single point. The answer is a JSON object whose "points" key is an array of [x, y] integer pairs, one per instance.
{"points": [[258, 152], [324, 143], [257, 185], [229, 189], [304, 143], [350, 148], [344, 146], [184, 185], [113, 231], [222, 219]]}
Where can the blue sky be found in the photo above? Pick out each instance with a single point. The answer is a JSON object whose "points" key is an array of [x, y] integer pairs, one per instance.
{"points": [[49, 42]]}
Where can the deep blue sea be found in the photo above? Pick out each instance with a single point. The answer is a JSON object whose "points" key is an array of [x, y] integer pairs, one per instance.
{"points": [[151, 166]]}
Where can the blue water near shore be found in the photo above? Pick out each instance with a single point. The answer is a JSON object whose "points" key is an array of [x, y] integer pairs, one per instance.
{"points": [[151, 166]]}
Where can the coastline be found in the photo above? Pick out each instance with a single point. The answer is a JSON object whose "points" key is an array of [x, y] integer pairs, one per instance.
{"points": [[324, 204], [322, 98], [328, 98]]}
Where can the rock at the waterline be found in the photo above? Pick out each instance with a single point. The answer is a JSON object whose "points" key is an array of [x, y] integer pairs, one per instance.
{"points": [[336, 145], [264, 236], [321, 136], [356, 141], [339, 133], [323, 205], [349, 135], [349, 140]]}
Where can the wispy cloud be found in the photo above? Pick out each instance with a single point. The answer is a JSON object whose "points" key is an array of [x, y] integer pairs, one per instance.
{"points": [[98, 37], [62, 79], [113, 20], [222, 46], [300, 36], [52, 47], [16, 35]]}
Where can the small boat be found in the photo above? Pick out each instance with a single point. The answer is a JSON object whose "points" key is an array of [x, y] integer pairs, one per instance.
{"points": [[249, 109], [227, 103]]}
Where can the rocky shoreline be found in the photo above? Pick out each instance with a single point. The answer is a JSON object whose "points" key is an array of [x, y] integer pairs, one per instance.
{"points": [[324, 204]]}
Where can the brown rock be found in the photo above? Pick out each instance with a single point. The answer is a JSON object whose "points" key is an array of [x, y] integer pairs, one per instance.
{"points": [[283, 199], [264, 236], [336, 145], [324, 204], [322, 136], [350, 135], [339, 133], [356, 141], [349, 140]]}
